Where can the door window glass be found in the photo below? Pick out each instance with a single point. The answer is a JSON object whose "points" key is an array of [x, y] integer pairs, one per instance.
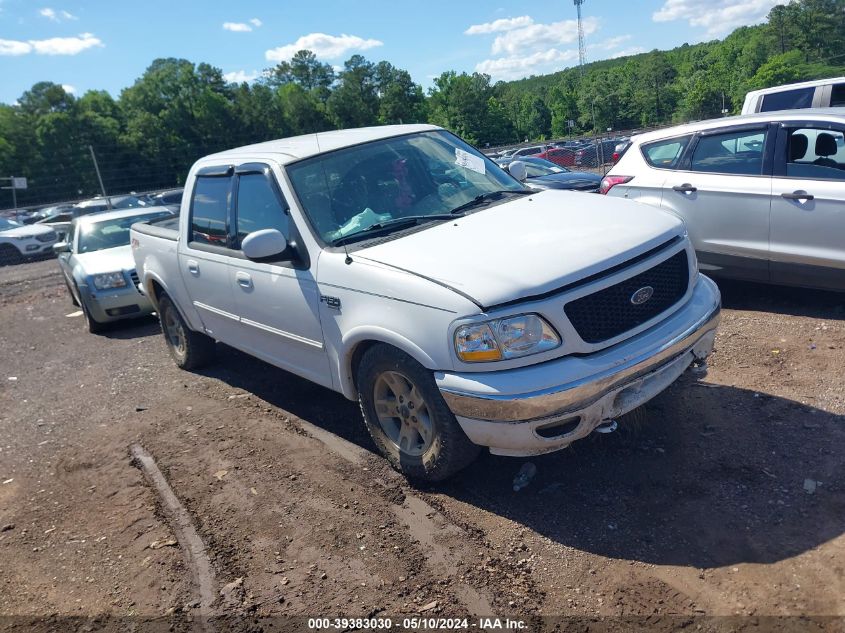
{"points": [[665, 154], [837, 96], [739, 152], [815, 153], [209, 208], [788, 100], [259, 207]]}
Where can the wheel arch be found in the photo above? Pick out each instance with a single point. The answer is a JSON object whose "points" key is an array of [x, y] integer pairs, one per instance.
{"points": [[357, 342]]}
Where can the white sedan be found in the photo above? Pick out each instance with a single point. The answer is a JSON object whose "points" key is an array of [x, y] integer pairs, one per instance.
{"points": [[98, 268]]}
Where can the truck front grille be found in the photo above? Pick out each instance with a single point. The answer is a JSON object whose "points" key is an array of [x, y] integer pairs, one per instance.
{"points": [[608, 313]]}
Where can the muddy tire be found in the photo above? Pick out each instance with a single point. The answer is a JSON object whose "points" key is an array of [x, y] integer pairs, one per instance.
{"points": [[189, 349], [407, 417]]}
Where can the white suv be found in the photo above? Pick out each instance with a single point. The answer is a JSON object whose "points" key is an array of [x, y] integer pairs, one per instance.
{"points": [[763, 195]]}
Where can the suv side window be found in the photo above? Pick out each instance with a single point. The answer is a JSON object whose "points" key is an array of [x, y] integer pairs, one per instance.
{"points": [[816, 153], [788, 100], [739, 152], [665, 154], [209, 208], [259, 207], [837, 96]]}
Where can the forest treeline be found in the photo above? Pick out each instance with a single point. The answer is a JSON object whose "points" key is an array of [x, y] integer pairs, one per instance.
{"points": [[177, 110]]}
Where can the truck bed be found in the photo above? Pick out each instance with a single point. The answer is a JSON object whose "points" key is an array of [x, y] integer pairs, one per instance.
{"points": [[167, 228]]}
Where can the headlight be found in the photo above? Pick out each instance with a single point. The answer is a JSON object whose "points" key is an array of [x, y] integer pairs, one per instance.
{"points": [[505, 338], [109, 280]]}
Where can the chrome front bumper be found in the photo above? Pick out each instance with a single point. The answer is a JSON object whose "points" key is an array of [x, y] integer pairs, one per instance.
{"points": [[501, 410]]}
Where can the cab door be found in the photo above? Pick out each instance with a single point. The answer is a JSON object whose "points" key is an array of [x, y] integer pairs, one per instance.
{"points": [[278, 301], [808, 206], [204, 259], [723, 192]]}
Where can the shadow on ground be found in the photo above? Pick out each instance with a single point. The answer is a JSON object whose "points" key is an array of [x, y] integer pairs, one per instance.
{"points": [[716, 477], [818, 304]]}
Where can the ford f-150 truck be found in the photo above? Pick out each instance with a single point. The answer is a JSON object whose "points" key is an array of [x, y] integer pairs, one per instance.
{"points": [[402, 268]]}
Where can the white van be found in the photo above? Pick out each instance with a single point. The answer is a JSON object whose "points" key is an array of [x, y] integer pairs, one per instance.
{"points": [[822, 93]]}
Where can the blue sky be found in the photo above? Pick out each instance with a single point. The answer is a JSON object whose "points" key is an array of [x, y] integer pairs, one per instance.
{"points": [[99, 44]]}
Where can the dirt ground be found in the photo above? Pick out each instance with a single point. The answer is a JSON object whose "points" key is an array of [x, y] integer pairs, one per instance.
{"points": [[726, 509]]}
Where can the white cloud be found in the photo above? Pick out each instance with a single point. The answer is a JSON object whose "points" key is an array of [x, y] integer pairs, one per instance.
{"points": [[529, 48], [69, 89], [611, 43], [65, 45], [241, 76], [56, 16], [718, 17], [14, 48], [518, 66], [496, 26], [237, 27], [633, 50], [322, 45], [542, 36], [52, 46], [256, 22]]}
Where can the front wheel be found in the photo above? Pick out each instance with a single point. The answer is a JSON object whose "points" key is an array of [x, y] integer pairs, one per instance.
{"points": [[407, 417], [9, 255], [189, 349]]}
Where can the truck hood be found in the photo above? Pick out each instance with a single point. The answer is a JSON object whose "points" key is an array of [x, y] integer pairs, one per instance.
{"points": [[108, 260], [529, 246], [29, 230]]}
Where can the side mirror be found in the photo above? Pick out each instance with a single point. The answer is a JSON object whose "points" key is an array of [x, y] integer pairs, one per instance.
{"points": [[517, 170], [61, 247], [264, 244]]}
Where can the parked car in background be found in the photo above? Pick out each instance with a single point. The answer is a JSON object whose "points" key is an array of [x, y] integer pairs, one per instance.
{"points": [[763, 195], [97, 265], [822, 93], [95, 205], [529, 151], [400, 267], [563, 156], [19, 242], [172, 197], [595, 154], [542, 174]]}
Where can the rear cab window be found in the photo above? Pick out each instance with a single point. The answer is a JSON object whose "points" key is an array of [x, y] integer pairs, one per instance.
{"points": [[210, 209], [665, 154]]}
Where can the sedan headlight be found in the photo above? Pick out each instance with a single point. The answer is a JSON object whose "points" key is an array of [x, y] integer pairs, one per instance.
{"points": [[502, 339], [109, 280]]}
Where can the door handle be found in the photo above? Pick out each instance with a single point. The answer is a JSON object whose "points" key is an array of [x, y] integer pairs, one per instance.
{"points": [[798, 195], [193, 267], [244, 280], [685, 188]]}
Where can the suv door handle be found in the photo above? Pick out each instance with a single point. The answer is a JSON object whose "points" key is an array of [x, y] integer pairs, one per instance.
{"points": [[685, 188], [798, 195], [244, 280], [193, 267]]}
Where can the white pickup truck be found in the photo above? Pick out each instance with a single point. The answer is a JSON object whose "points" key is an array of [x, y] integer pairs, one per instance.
{"points": [[402, 268]]}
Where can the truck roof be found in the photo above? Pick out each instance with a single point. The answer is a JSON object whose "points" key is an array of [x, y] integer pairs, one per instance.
{"points": [[286, 150]]}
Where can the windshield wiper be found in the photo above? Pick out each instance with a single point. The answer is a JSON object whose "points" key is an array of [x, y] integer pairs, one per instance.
{"points": [[487, 197], [409, 220]]}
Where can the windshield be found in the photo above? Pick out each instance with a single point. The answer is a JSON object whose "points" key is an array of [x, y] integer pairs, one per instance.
{"points": [[427, 174], [97, 236], [6, 225]]}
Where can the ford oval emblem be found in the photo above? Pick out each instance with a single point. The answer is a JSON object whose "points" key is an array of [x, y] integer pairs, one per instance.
{"points": [[642, 295]]}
